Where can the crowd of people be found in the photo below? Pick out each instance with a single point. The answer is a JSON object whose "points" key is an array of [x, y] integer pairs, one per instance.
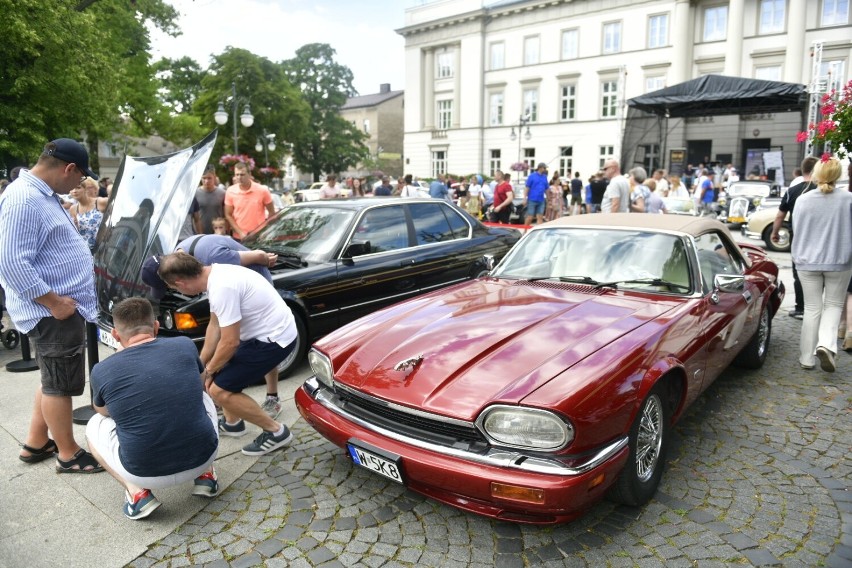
{"points": [[49, 216]]}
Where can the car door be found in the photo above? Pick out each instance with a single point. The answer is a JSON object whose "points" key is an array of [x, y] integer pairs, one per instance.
{"points": [[729, 317], [383, 274], [444, 255]]}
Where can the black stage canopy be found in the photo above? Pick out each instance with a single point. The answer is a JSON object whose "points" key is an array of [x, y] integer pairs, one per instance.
{"points": [[713, 95]]}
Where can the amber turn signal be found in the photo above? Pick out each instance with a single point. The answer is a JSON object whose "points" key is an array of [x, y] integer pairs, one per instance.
{"points": [[517, 493], [185, 321], [596, 480]]}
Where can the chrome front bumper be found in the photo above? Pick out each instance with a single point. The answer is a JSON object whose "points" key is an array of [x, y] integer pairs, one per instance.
{"points": [[504, 458]]}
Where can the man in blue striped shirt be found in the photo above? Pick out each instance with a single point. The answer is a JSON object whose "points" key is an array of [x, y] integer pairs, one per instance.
{"points": [[47, 272]]}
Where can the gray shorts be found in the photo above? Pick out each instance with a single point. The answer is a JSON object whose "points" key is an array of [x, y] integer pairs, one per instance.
{"points": [[60, 354]]}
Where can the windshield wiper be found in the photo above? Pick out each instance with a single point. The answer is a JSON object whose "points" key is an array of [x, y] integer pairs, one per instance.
{"points": [[288, 258], [580, 279], [648, 281]]}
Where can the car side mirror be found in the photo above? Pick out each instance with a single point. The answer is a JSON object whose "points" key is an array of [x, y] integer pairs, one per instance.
{"points": [[357, 248], [729, 282], [488, 262]]}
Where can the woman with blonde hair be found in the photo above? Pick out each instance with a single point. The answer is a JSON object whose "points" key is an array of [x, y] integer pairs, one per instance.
{"points": [[676, 188], [822, 253], [87, 212]]}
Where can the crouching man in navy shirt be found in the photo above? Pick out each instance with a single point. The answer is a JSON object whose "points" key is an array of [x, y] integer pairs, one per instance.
{"points": [[156, 426]]}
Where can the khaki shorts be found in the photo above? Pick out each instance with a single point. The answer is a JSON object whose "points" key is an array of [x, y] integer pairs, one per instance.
{"points": [[60, 354]]}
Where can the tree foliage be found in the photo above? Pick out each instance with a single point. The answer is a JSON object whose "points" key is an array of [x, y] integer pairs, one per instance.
{"points": [[331, 144], [75, 67]]}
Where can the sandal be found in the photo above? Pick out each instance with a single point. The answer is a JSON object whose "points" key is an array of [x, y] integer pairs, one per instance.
{"points": [[39, 454], [82, 462]]}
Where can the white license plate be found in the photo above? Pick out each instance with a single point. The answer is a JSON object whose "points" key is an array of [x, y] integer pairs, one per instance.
{"points": [[386, 465], [105, 337]]}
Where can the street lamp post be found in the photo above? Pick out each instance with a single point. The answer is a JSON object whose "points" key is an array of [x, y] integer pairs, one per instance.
{"points": [[267, 144], [221, 117], [522, 121]]}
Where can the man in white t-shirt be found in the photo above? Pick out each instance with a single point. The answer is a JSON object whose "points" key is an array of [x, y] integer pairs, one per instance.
{"points": [[616, 198], [251, 330]]}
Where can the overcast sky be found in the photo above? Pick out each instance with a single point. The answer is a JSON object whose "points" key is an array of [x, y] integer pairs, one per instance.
{"points": [[361, 32]]}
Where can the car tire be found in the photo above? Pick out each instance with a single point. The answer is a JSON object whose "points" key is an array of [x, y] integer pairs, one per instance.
{"points": [[294, 359], [754, 354], [785, 238], [648, 442]]}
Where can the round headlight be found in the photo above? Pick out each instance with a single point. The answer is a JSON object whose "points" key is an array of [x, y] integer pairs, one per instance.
{"points": [[168, 320], [529, 428], [321, 366]]}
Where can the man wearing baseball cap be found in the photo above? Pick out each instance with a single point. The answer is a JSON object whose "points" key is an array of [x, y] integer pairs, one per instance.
{"points": [[46, 269]]}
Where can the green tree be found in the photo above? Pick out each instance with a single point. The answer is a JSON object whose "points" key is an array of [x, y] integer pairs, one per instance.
{"points": [[178, 86], [75, 67], [277, 106], [331, 144]]}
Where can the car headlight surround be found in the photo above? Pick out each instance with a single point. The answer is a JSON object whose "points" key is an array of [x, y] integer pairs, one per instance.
{"points": [[527, 428], [168, 319], [321, 365]]}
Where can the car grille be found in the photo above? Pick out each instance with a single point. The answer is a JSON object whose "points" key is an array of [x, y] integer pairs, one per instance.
{"points": [[410, 424]]}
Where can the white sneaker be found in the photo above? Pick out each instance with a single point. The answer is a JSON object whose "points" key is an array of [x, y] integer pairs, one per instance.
{"points": [[272, 406]]}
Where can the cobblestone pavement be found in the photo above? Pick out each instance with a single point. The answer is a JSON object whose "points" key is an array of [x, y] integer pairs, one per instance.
{"points": [[758, 475]]}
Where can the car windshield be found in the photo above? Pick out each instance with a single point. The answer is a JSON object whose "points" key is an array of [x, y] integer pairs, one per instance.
{"points": [[596, 256], [312, 233]]}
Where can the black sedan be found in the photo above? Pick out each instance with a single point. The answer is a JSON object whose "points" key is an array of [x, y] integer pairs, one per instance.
{"points": [[341, 259]]}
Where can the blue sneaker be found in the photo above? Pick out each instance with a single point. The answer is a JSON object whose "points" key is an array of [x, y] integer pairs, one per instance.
{"points": [[268, 442], [140, 505], [233, 430], [206, 484]]}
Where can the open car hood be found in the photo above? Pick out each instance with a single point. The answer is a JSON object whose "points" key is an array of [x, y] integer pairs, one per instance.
{"points": [[455, 351], [149, 203]]}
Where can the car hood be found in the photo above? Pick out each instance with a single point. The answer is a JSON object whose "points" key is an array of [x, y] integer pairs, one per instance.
{"points": [[455, 351], [149, 203]]}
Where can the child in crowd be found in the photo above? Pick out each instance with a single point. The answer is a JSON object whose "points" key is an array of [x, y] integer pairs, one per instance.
{"points": [[221, 226]]}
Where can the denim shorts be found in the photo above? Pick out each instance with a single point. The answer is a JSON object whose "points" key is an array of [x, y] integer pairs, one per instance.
{"points": [[252, 360], [535, 208], [60, 354]]}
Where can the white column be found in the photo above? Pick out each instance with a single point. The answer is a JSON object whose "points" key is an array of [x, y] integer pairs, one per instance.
{"points": [[681, 44], [734, 39], [457, 96], [795, 55], [429, 90]]}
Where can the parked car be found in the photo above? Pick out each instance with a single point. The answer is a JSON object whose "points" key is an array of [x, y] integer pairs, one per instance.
{"points": [[529, 394], [680, 205], [740, 198], [312, 193], [759, 226], [341, 259]]}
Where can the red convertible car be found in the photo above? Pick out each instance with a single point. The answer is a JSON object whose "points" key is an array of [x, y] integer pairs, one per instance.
{"points": [[529, 394]]}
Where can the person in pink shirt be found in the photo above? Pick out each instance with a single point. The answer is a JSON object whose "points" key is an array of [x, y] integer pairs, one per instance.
{"points": [[247, 203], [330, 190]]}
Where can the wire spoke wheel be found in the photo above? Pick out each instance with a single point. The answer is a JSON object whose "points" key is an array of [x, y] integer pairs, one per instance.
{"points": [[650, 438]]}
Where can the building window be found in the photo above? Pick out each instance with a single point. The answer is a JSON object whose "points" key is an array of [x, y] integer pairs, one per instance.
{"points": [[531, 50], [444, 61], [658, 31], [498, 55], [494, 162], [568, 102], [835, 12], [496, 109], [612, 37], [529, 158], [832, 74], [604, 152], [654, 83], [566, 160], [366, 126], [768, 73], [439, 162], [716, 23], [445, 114], [570, 44], [609, 99], [531, 104], [771, 16], [651, 153]]}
